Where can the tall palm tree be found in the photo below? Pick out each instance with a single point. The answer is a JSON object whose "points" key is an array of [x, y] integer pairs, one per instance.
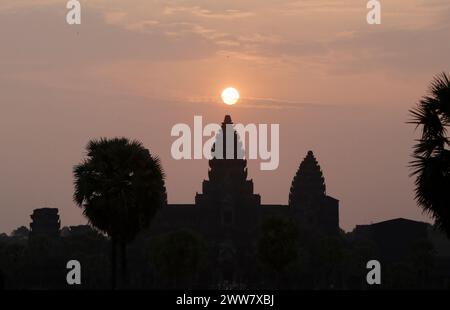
{"points": [[120, 186], [431, 164]]}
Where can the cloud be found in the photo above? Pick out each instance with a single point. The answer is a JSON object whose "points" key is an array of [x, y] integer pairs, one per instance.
{"points": [[328, 6], [228, 14], [275, 103], [256, 102], [172, 31], [41, 36], [392, 50]]}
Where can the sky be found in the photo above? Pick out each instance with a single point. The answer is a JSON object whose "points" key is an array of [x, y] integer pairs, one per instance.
{"points": [[335, 84]]}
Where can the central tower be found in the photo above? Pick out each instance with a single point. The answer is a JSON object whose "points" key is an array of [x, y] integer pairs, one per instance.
{"points": [[228, 200], [227, 172], [228, 209]]}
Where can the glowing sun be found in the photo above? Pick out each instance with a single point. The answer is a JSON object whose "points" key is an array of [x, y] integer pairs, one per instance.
{"points": [[230, 95]]}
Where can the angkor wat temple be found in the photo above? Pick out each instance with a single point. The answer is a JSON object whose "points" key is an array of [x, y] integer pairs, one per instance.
{"points": [[228, 214], [230, 221]]}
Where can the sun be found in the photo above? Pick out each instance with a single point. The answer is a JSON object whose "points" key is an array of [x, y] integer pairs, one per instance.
{"points": [[230, 95]]}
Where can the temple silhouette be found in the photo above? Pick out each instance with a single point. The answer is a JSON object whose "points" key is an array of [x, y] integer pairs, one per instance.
{"points": [[228, 214], [220, 241]]}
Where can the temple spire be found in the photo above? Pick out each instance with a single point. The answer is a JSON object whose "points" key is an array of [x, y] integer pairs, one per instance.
{"points": [[308, 183], [227, 176], [236, 147], [227, 120]]}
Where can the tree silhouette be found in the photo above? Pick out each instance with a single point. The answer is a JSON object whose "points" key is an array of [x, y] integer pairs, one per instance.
{"points": [[278, 245], [21, 232], [431, 164], [178, 256], [120, 186]]}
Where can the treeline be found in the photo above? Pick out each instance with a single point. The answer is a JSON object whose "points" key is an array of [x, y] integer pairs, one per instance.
{"points": [[285, 256]]}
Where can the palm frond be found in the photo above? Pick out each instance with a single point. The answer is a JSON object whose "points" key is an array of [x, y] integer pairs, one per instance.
{"points": [[431, 159]]}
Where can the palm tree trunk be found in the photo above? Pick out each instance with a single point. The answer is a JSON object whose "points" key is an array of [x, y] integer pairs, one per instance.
{"points": [[123, 248], [113, 263]]}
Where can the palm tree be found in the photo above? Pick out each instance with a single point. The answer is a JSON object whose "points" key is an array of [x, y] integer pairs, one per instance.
{"points": [[431, 164], [120, 186]]}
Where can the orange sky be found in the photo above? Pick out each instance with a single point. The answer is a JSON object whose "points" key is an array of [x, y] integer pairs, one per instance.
{"points": [[134, 68]]}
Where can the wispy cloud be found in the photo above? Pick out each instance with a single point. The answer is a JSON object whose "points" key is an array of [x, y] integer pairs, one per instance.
{"points": [[275, 103], [256, 102], [198, 11]]}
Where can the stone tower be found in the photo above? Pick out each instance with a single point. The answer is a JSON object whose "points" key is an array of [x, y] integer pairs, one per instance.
{"points": [[309, 201], [45, 223], [228, 210], [228, 199]]}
